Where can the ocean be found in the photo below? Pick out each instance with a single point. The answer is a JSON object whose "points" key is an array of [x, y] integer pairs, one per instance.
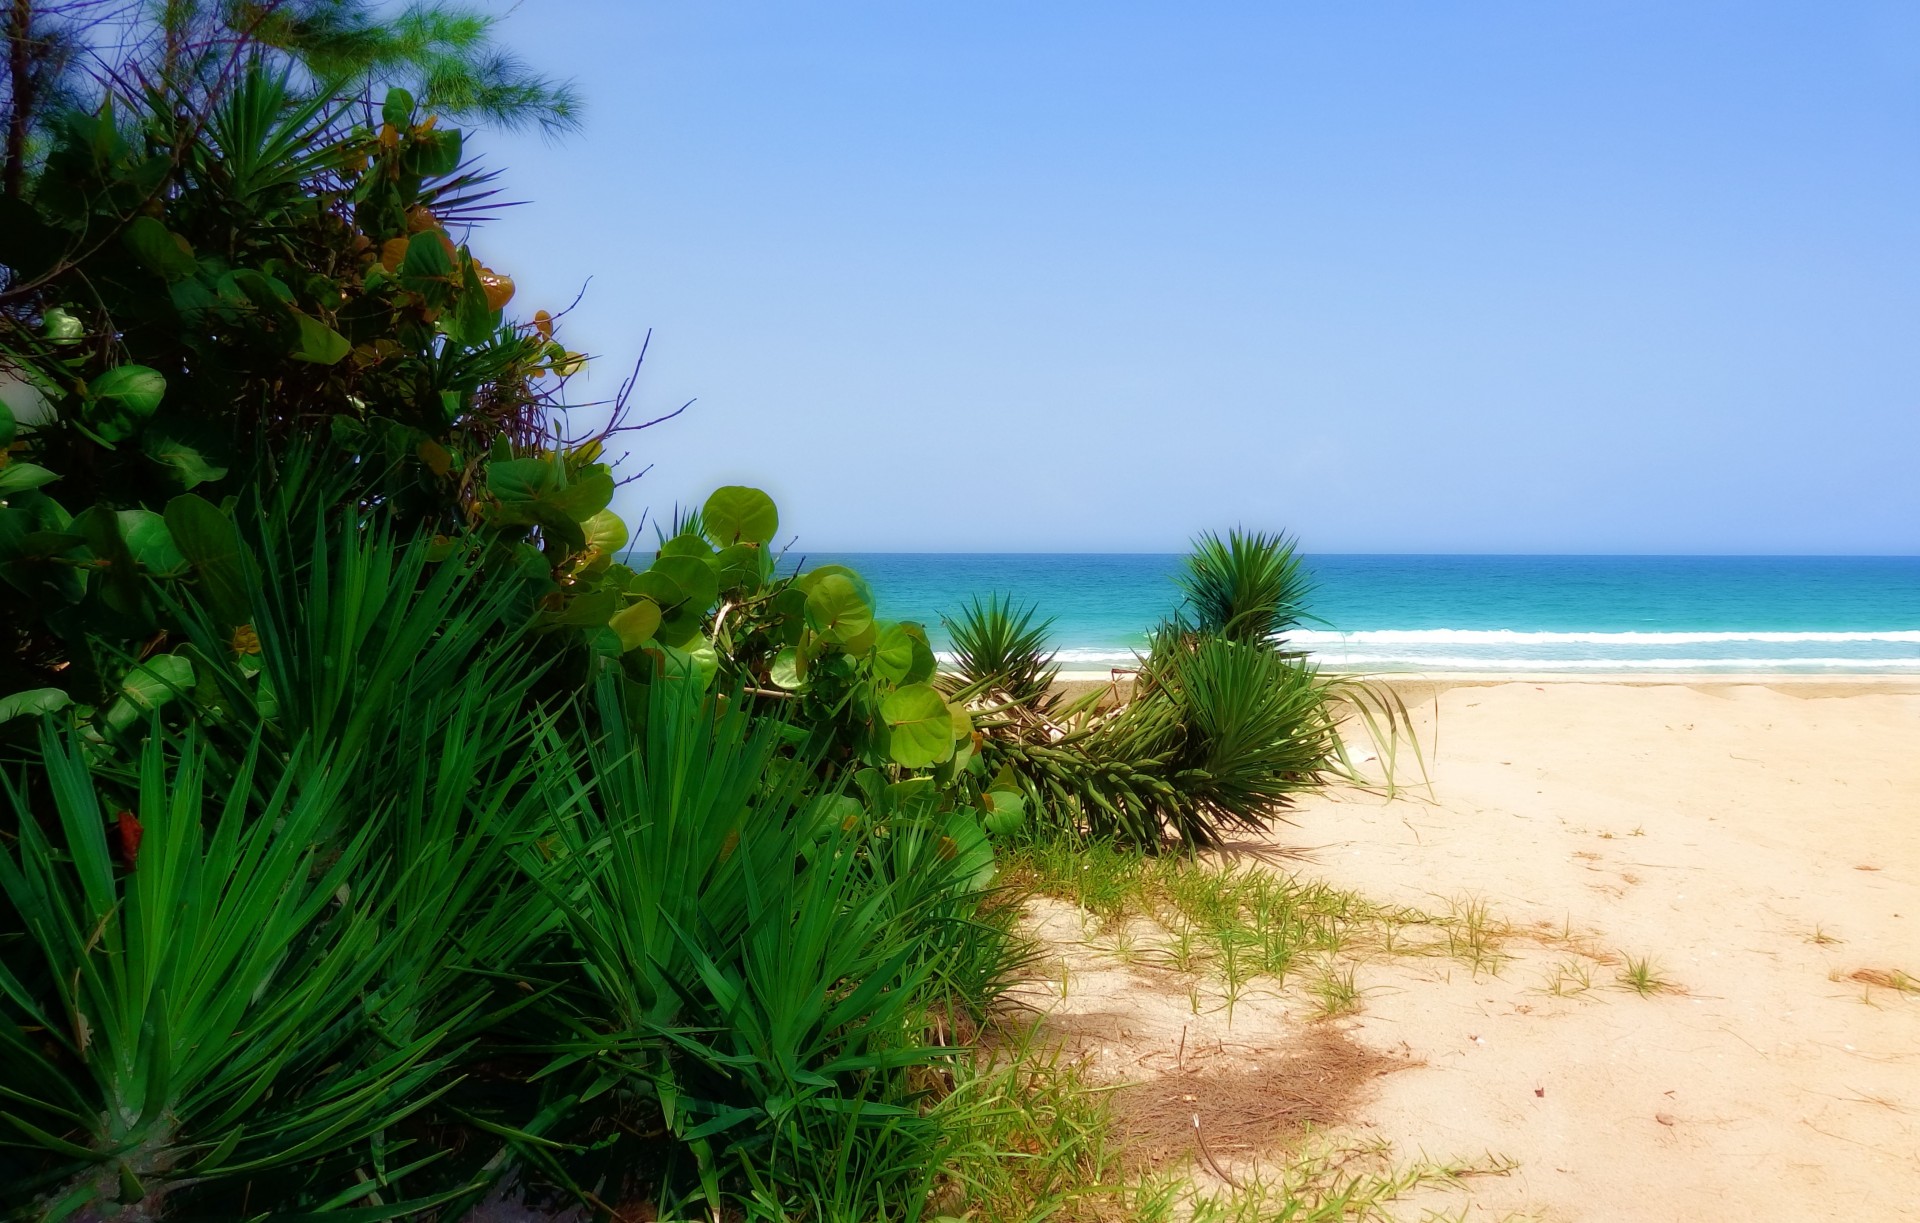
{"points": [[1571, 614]]}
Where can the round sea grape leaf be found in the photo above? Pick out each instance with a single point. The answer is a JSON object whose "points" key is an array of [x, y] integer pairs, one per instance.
{"points": [[636, 623], [656, 586], [397, 110], [789, 670], [741, 567], [151, 544], [924, 662], [861, 643], [686, 544], [185, 461], [920, 726], [522, 479], [740, 515], [589, 492], [19, 477], [893, 653], [965, 847], [433, 154], [697, 582], [812, 577], [1006, 811], [606, 533], [159, 250], [698, 664], [681, 625], [62, 327], [836, 610], [706, 663], [131, 390], [317, 343], [158, 680], [427, 256], [32, 702], [211, 544], [588, 608]]}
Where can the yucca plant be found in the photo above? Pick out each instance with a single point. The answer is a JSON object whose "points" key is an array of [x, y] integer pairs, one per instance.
{"points": [[1224, 723], [189, 998], [1249, 586], [1001, 655]]}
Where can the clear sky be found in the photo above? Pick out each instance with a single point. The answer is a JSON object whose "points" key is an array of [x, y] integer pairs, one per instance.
{"points": [[1412, 276]]}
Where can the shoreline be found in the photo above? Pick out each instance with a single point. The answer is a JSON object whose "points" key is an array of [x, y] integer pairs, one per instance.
{"points": [[1428, 683]]}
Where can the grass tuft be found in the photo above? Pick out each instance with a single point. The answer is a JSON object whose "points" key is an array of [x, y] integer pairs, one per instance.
{"points": [[1642, 975]]}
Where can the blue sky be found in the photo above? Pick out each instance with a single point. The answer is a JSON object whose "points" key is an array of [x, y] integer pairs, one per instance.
{"points": [[1453, 277]]}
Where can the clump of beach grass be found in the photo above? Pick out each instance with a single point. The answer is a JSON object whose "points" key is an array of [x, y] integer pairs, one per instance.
{"points": [[1643, 976]]}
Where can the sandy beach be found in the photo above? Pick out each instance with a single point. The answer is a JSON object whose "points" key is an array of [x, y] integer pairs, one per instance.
{"points": [[1759, 842]]}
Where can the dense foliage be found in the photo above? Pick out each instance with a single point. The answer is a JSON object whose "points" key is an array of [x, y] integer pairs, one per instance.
{"points": [[1221, 726], [378, 820]]}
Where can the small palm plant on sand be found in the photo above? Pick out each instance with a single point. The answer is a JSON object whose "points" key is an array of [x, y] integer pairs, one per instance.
{"points": [[1223, 727]]}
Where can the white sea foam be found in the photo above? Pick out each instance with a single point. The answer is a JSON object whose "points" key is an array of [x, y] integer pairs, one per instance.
{"points": [[1470, 636], [1464, 663]]}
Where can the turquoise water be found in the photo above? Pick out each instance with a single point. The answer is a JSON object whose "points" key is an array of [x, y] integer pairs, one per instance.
{"points": [[1472, 613]]}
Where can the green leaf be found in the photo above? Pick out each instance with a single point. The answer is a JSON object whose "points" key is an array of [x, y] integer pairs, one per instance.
{"points": [[836, 610], [741, 567], [636, 623], [318, 343], [188, 465], [133, 390], [893, 653], [32, 702], [812, 577], [685, 544], [62, 327], [924, 662], [1006, 811], [739, 515], [920, 726], [607, 532], [522, 479], [159, 250], [19, 477], [658, 587], [472, 321], [590, 491], [115, 576], [151, 544], [398, 108], [155, 682], [211, 544], [426, 256], [699, 586], [861, 642], [9, 428], [789, 670], [433, 154]]}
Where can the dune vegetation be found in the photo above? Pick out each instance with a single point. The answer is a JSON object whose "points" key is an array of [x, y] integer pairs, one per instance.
{"points": [[384, 828]]}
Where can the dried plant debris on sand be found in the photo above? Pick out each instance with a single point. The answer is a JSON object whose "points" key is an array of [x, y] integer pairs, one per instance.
{"points": [[1224, 1102]]}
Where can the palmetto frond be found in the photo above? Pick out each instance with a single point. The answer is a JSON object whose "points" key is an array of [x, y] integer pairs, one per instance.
{"points": [[1249, 586], [1001, 655]]}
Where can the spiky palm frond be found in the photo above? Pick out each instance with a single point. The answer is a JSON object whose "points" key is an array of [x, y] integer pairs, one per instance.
{"points": [[1001, 655], [199, 1007], [1249, 586], [746, 955]]}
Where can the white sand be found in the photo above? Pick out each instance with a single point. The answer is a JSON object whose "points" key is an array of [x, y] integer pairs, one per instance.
{"points": [[1714, 827]]}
